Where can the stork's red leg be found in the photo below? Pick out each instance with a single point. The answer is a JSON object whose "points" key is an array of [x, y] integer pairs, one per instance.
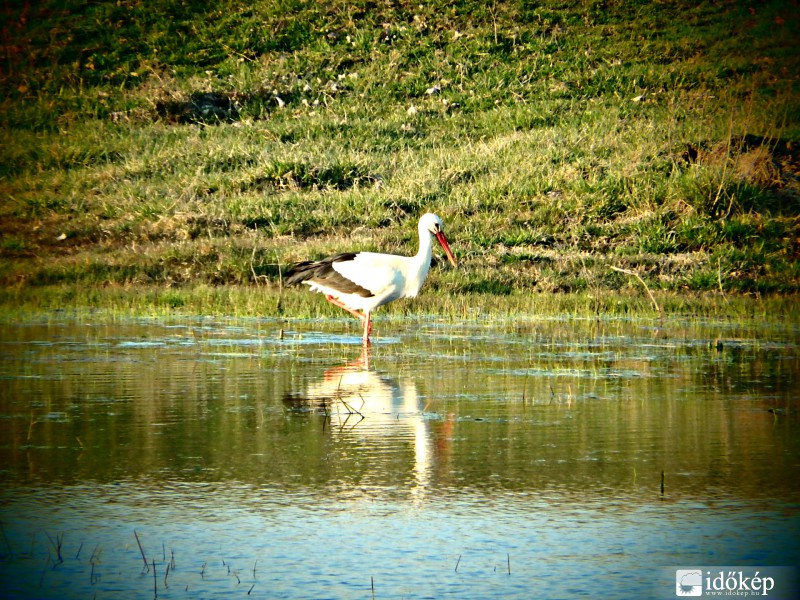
{"points": [[341, 304], [363, 317], [367, 328]]}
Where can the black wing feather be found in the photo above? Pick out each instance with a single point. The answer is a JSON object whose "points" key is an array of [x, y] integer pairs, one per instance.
{"points": [[323, 273]]}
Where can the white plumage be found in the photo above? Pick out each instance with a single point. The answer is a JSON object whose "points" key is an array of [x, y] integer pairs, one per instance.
{"points": [[364, 281]]}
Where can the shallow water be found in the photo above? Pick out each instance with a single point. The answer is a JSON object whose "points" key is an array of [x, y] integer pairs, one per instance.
{"points": [[469, 460]]}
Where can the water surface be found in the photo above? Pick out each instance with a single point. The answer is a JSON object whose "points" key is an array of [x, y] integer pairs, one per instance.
{"points": [[266, 459]]}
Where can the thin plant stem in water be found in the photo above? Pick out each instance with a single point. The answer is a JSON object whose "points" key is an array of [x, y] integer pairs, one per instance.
{"points": [[524, 387], [144, 558], [56, 545], [33, 422]]}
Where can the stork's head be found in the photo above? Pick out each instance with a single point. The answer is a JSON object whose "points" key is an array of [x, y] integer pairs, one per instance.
{"points": [[433, 224]]}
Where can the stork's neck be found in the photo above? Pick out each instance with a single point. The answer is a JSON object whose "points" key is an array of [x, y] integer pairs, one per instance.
{"points": [[425, 251], [419, 265]]}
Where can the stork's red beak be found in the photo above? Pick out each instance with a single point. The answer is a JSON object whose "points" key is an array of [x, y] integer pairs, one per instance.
{"points": [[446, 247]]}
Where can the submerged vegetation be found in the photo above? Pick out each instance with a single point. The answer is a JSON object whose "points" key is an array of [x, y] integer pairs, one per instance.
{"points": [[179, 151]]}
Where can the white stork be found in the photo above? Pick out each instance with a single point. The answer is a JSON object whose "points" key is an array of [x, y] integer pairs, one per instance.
{"points": [[363, 281]]}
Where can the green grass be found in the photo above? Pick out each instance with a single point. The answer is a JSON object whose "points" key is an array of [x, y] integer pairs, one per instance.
{"points": [[478, 305], [162, 150]]}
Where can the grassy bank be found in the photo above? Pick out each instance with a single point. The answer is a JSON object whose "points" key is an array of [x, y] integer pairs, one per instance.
{"points": [[85, 302], [165, 150]]}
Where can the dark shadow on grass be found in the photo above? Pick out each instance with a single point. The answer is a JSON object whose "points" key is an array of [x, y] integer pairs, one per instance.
{"points": [[762, 174]]}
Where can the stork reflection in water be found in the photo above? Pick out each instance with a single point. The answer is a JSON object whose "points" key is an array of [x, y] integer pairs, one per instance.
{"points": [[382, 411]]}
